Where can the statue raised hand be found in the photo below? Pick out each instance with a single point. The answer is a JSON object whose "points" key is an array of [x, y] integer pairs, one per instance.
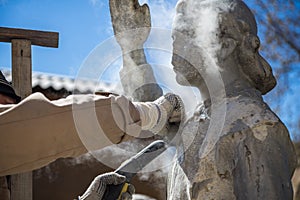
{"points": [[131, 23]]}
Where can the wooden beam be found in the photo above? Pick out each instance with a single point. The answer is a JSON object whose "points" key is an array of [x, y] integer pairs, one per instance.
{"points": [[22, 39], [40, 38], [21, 184]]}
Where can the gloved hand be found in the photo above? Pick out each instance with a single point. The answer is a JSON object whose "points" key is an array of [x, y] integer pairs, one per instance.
{"points": [[171, 111], [173, 104], [97, 188]]}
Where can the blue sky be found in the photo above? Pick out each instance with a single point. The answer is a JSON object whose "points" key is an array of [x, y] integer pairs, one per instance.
{"points": [[82, 24]]}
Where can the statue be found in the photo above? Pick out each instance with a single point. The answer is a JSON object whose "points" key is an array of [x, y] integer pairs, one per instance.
{"points": [[248, 154], [131, 23], [253, 144]]}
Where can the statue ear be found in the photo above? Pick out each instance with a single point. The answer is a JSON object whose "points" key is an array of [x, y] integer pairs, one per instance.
{"points": [[244, 27], [228, 46]]}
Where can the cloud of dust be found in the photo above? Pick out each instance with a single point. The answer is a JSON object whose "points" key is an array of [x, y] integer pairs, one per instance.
{"points": [[203, 17]]}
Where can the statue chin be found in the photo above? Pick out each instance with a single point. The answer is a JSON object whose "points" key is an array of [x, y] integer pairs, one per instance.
{"points": [[184, 81], [181, 81]]}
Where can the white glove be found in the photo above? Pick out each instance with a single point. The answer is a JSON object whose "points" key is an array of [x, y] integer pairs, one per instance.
{"points": [[97, 188], [157, 115], [173, 105], [172, 109]]}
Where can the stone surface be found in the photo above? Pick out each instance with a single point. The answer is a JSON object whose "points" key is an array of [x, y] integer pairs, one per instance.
{"points": [[131, 23], [251, 155], [234, 147], [296, 177]]}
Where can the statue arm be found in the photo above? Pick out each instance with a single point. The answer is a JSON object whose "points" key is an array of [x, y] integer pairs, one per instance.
{"points": [[137, 77], [132, 23]]}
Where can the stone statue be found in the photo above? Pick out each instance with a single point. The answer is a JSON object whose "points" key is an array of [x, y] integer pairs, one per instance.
{"points": [[131, 23], [253, 156], [234, 147]]}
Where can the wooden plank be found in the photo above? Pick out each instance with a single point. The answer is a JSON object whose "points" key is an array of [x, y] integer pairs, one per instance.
{"points": [[40, 38], [21, 184]]}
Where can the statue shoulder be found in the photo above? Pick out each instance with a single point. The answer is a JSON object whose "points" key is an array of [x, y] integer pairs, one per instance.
{"points": [[247, 113]]}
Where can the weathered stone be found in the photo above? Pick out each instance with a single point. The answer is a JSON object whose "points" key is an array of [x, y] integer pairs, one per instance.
{"points": [[131, 23], [252, 156], [234, 147]]}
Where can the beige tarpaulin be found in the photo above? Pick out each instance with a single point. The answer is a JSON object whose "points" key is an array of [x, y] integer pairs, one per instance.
{"points": [[37, 131]]}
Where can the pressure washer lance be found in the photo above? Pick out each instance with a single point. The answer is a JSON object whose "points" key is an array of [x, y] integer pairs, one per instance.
{"points": [[133, 165]]}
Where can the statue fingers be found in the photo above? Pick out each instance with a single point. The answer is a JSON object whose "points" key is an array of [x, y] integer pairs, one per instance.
{"points": [[129, 5], [144, 9], [121, 8], [114, 14], [136, 4], [114, 7]]}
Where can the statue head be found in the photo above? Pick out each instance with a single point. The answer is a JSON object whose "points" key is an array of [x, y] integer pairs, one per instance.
{"points": [[224, 30]]}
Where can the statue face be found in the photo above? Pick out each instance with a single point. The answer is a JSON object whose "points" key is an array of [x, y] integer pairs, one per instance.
{"points": [[186, 55], [227, 32], [238, 36], [185, 60]]}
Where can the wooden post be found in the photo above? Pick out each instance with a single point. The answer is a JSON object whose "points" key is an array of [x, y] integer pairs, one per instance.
{"points": [[21, 184], [21, 67], [21, 39]]}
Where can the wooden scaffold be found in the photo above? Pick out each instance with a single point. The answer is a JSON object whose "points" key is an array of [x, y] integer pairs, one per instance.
{"points": [[21, 41]]}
